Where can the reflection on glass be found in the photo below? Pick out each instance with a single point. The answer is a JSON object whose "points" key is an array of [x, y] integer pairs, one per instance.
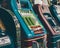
{"points": [[2, 27]]}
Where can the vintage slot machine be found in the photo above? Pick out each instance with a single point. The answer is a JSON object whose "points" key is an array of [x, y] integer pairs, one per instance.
{"points": [[33, 32], [54, 9], [9, 29], [50, 24]]}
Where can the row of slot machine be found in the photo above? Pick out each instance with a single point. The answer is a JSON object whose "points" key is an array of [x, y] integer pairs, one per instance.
{"points": [[29, 24]]}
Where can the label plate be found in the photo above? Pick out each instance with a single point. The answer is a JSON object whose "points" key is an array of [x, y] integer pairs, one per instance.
{"points": [[4, 41]]}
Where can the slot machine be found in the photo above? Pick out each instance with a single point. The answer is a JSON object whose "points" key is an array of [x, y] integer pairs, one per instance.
{"points": [[54, 9], [33, 32], [9, 29], [49, 22]]}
